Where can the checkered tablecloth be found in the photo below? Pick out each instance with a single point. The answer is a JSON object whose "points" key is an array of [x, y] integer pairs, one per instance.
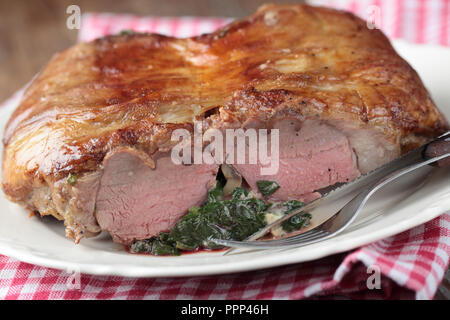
{"points": [[410, 264]]}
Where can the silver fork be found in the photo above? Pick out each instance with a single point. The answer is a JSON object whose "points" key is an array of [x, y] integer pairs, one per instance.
{"points": [[334, 225]]}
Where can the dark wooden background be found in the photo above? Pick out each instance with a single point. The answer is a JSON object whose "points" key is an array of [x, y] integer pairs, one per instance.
{"points": [[32, 30]]}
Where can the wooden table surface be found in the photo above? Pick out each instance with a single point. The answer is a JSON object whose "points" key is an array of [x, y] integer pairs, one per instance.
{"points": [[31, 31]]}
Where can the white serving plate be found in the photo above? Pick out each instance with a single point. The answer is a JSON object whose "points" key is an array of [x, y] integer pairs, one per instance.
{"points": [[408, 203]]}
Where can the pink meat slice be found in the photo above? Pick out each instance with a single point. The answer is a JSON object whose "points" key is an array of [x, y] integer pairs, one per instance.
{"points": [[313, 155], [135, 201]]}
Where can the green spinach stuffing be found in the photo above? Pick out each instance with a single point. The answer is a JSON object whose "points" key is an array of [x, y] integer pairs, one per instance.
{"points": [[236, 218]]}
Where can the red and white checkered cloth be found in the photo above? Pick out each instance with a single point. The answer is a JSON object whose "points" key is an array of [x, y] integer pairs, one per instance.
{"points": [[412, 264], [419, 21]]}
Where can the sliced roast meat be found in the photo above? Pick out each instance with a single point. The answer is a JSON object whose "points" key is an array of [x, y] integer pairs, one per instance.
{"points": [[312, 155], [370, 146], [81, 207], [139, 198]]}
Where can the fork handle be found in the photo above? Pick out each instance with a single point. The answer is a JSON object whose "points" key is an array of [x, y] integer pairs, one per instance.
{"points": [[439, 147]]}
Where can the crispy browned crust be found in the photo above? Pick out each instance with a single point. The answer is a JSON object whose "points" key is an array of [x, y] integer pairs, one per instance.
{"points": [[133, 90]]}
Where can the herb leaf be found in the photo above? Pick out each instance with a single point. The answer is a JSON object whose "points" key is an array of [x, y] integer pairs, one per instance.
{"points": [[158, 246], [267, 188], [216, 193], [127, 32], [72, 179], [296, 222], [239, 193], [292, 205]]}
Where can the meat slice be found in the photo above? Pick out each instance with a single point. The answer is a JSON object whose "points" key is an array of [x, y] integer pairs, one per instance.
{"points": [[139, 198], [312, 155]]}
